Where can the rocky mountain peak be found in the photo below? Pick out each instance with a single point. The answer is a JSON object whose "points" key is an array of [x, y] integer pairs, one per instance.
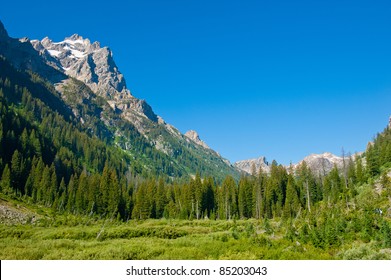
{"points": [[93, 65], [322, 163], [75, 37], [88, 63], [193, 136], [248, 165]]}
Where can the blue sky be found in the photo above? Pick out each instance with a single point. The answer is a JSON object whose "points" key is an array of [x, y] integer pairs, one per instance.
{"points": [[281, 79]]}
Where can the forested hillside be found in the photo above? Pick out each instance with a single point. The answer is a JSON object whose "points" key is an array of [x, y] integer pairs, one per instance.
{"points": [[48, 157]]}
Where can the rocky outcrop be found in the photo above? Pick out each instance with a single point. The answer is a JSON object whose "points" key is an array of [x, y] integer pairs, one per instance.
{"points": [[13, 215], [193, 136]]}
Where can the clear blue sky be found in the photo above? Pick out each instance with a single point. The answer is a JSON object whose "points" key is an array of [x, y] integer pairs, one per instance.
{"points": [[281, 79]]}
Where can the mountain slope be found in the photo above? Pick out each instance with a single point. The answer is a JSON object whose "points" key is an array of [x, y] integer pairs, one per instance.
{"points": [[95, 96]]}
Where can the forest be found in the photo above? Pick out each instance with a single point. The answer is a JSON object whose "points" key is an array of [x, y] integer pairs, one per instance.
{"points": [[48, 160]]}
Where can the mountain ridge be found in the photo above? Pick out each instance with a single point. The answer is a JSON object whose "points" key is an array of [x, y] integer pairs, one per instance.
{"points": [[318, 163], [76, 60]]}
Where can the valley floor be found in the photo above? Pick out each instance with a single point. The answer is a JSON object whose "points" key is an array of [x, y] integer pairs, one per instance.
{"points": [[31, 232], [81, 238]]}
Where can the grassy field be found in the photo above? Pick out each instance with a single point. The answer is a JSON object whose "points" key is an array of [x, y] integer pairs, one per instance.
{"points": [[163, 239], [37, 233], [152, 239]]}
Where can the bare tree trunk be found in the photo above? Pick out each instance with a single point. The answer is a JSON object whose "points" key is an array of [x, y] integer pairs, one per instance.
{"points": [[308, 196], [344, 168]]}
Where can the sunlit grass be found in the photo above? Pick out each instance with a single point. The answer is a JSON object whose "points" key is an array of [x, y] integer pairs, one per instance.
{"points": [[153, 239]]}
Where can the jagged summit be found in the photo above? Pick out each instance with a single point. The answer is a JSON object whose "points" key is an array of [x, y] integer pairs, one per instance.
{"points": [[94, 65], [88, 63]]}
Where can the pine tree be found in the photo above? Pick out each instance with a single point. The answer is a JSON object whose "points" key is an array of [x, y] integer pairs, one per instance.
{"points": [[161, 199], [245, 203], [72, 187], [6, 181], [198, 193], [360, 173], [209, 196], [258, 190], [292, 203], [17, 171], [114, 194], [228, 198], [45, 186], [372, 160]]}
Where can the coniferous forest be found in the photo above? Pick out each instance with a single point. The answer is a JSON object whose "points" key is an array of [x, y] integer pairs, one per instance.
{"points": [[79, 191]]}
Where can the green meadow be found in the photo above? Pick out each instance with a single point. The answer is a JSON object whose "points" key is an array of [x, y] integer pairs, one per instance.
{"points": [[80, 238]]}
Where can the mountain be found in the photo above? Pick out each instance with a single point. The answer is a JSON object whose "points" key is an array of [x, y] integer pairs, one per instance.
{"points": [[323, 163], [89, 90], [318, 163], [250, 165], [94, 66]]}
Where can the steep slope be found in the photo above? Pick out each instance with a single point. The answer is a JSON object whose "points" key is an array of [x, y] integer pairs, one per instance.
{"points": [[94, 92]]}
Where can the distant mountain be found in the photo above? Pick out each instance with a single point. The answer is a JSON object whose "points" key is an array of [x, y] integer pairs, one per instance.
{"points": [[250, 165], [92, 88], [323, 163], [318, 163]]}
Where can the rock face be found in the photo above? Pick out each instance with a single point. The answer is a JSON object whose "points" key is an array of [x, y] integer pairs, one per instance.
{"points": [[193, 136], [249, 164], [93, 65]]}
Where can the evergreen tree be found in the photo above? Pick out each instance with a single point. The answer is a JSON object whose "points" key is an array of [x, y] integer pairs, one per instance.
{"points": [[372, 158], [6, 181], [245, 196], [17, 169], [292, 203], [227, 199]]}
